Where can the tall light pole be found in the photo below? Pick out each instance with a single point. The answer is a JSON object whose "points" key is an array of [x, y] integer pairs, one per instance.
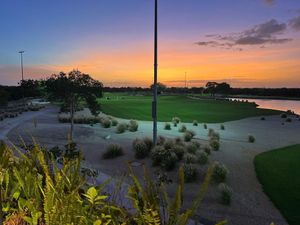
{"points": [[154, 103], [22, 72]]}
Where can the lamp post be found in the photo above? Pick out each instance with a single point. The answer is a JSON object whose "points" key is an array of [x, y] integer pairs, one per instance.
{"points": [[154, 102], [22, 72]]}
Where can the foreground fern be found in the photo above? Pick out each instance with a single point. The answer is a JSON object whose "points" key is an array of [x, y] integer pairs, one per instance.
{"points": [[35, 191]]}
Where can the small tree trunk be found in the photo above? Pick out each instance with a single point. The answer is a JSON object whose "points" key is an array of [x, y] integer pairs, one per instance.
{"points": [[72, 118]]}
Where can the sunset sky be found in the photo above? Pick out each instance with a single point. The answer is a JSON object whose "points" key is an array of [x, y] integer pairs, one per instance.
{"points": [[248, 43]]}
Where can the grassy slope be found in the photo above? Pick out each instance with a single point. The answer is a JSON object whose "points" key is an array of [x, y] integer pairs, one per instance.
{"points": [[279, 174], [209, 111]]}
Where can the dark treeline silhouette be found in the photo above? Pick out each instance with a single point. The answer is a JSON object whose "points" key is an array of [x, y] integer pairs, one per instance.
{"points": [[273, 92]]}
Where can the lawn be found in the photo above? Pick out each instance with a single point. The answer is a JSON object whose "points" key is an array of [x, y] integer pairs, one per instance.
{"points": [[208, 111], [279, 174]]}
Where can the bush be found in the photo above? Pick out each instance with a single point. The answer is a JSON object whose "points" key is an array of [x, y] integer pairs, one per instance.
{"points": [[213, 135], [191, 132], [158, 153], [191, 148], [189, 158], [121, 128], [202, 157], [169, 162], [148, 141], [195, 123], [207, 149], [140, 148], [106, 123], [190, 173], [214, 144], [112, 151], [167, 126], [205, 126], [289, 120], [197, 144], [187, 136], [222, 127], [219, 172], [182, 129], [251, 138], [169, 144], [161, 140], [179, 141], [262, 118], [114, 122], [175, 121], [210, 132], [283, 115], [133, 126], [225, 194], [179, 151]]}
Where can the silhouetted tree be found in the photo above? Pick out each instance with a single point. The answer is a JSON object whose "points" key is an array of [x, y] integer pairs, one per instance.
{"points": [[73, 87], [160, 87]]}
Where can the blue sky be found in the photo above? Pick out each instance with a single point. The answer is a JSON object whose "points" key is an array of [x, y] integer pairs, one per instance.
{"points": [[58, 35]]}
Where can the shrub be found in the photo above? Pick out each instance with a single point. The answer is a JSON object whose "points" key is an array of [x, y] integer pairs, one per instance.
{"points": [[179, 151], [178, 141], [225, 194], [187, 136], [167, 126], [289, 120], [219, 172], [207, 149], [169, 144], [106, 123], [222, 127], [158, 153], [182, 129], [210, 132], [191, 148], [112, 151], [205, 126], [214, 144], [202, 157], [175, 121], [133, 126], [169, 162], [148, 141], [190, 172], [251, 138], [140, 148], [189, 158], [283, 115], [121, 128], [262, 118], [161, 140], [197, 144], [191, 132], [195, 123], [114, 122]]}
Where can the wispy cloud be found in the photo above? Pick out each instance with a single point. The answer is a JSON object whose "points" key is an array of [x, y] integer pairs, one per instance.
{"points": [[262, 34], [295, 23]]}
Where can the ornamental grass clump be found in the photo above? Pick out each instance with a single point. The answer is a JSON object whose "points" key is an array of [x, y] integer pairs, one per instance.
{"points": [[187, 137], [189, 158], [164, 158], [251, 139], [220, 172], [225, 193], [114, 122], [169, 144], [190, 173], [283, 115], [222, 127], [148, 142], [214, 144], [112, 151], [106, 122], [288, 120], [161, 140], [182, 129], [195, 123], [167, 126], [179, 151], [121, 128], [205, 126], [192, 148], [133, 126], [175, 121], [202, 157], [141, 150], [170, 161], [207, 149]]}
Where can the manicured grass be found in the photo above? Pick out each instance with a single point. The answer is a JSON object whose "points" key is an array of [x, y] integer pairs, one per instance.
{"points": [[209, 111], [279, 173]]}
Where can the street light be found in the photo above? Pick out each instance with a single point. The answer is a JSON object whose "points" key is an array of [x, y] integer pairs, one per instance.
{"points": [[22, 71], [154, 102]]}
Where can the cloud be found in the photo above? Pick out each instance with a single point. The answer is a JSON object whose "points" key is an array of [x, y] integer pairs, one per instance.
{"points": [[269, 2], [262, 34], [295, 23]]}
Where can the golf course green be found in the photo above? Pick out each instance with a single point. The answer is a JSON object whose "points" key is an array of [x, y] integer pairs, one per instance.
{"points": [[279, 173], [206, 111]]}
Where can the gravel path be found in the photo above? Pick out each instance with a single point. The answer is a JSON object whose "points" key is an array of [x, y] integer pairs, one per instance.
{"points": [[249, 206]]}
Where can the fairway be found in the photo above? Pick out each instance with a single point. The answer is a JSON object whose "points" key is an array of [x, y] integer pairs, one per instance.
{"points": [[208, 111], [279, 174]]}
